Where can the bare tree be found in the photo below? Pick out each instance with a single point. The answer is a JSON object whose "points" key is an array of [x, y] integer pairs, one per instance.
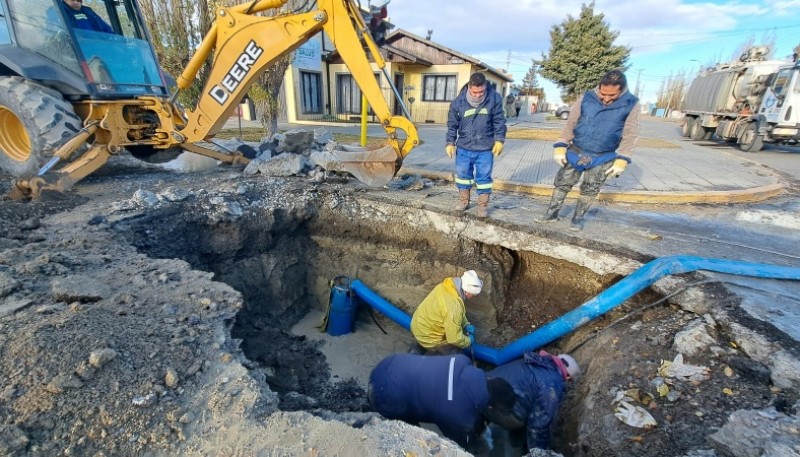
{"points": [[177, 27], [265, 91]]}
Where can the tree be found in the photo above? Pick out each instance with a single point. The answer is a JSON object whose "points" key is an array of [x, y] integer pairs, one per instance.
{"points": [[266, 89], [582, 50], [672, 91], [529, 81], [176, 36]]}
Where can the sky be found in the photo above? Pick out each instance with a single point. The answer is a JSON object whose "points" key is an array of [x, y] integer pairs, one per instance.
{"points": [[666, 37]]}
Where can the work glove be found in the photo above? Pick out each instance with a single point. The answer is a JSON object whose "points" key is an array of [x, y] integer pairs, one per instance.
{"points": [[471, 339], [560, 154], [617, 168], [469, 329], [497, 149], [450, 149]]}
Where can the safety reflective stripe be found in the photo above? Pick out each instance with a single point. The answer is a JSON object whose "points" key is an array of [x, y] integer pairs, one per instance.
{"points": [[484, 186], [450, 379], [466, 182], [473, 112]]}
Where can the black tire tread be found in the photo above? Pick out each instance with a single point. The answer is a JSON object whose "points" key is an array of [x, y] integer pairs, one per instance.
{"points": [[48, 120]]}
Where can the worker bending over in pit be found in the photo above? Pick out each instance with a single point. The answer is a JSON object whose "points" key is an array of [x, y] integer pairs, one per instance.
{"points": [[539, 381], [440, 323], [444, 390]]}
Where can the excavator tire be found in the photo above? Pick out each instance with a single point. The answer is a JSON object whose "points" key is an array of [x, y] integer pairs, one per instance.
{"points": [[34, 122]]}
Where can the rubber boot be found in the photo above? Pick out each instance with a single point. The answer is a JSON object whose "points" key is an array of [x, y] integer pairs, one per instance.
{"points": [[556, 201], [463, 199], [583, 205], [483, 205]]}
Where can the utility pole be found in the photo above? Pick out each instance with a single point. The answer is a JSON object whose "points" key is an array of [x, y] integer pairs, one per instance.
{"points": [[638, 77], [508, 61]]}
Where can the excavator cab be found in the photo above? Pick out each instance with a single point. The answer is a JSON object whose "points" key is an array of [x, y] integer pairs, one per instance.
{"points": [[104, 53]]}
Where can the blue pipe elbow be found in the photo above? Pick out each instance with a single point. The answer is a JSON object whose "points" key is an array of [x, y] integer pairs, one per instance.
{"points": [[602, 303]]}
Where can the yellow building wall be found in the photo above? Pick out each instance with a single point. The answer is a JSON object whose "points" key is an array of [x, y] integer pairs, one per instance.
{"points": [[434, 112]]}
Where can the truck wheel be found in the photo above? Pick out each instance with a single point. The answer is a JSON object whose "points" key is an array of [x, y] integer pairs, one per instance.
{"points": [[565, 115], [751, 141], [686, 126], [34, 122], [696, 130]]}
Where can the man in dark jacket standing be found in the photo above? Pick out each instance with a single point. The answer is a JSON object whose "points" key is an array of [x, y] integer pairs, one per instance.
{"points": [[476, 131], [539, 381], [444, 390], [596, 142]]}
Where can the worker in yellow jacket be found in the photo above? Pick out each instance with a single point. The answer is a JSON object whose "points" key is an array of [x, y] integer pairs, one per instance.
{"points": [[440, 323]]}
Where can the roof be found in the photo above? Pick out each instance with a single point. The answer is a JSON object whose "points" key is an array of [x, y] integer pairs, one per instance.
{"points": [[467, 58], [415, 57]]}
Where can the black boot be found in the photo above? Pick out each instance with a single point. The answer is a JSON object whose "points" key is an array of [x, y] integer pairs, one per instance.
{"points": [[583, 205], [556, 201]]}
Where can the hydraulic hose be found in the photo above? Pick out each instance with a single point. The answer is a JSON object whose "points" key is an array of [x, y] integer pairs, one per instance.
{"points": [[604, 302]]}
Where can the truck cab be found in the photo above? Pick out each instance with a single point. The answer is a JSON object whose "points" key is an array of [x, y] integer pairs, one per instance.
{"points": [[781, 104]]}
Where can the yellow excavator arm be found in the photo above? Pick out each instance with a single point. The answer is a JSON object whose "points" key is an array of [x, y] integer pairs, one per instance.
{"points": [[244, 45]]}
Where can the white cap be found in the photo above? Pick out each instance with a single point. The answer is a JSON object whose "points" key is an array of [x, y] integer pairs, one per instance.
{"points": [[471, 283], [570, 364]]}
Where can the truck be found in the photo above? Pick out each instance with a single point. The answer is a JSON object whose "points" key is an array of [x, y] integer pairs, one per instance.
{"points": [[751, 101], [72, 97]]}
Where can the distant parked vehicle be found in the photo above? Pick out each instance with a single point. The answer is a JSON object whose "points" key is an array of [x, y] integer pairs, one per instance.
{"points": [[563, 112]]}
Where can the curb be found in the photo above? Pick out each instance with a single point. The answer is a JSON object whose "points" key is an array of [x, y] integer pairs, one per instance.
{"points": [[752, 195]]}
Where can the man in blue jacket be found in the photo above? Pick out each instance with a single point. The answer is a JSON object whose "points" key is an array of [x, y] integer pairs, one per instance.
{"points": [[444, 390], [476, 131], [596, 143], [539, 381], [83, 17]]}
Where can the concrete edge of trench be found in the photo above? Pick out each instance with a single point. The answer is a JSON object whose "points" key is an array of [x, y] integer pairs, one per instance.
{"points": [[750, 195]]}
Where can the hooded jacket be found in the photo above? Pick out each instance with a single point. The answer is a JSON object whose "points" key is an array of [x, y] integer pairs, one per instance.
{"points": [[476, 129], [539, 387], [441, 317]]}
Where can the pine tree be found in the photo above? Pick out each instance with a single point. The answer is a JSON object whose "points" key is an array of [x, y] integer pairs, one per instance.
{"points": [[582, 50], [529, 81]]}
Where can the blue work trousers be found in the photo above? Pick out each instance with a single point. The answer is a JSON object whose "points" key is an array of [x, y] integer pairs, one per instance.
{"points": [[474, 167]]}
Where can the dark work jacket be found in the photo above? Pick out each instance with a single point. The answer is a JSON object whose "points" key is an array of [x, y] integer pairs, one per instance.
{"points": [[417, 388], [540, 388], [476, 129], [85, 19], [599, 128]]}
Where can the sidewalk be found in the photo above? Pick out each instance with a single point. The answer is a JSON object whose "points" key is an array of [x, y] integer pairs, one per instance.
{"points": [[689, 173]]}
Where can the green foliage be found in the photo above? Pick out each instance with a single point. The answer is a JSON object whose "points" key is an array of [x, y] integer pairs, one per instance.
{"points": [[529, 80], [582, 50]]}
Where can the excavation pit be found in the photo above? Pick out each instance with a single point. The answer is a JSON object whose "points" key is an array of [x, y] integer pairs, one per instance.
{"points": [[282, 263]]}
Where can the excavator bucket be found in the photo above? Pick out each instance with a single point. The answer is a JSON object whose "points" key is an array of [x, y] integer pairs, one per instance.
{"points": [[373, 167]]}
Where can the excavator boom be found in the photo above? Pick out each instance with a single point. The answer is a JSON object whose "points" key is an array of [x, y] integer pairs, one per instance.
{"points": [[243, 44]]}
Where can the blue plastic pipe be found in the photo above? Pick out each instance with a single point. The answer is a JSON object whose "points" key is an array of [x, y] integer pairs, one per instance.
{"points": [[607, 300]]}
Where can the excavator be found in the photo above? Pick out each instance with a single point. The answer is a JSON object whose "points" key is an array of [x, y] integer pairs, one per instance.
{"points": [[71, 97]]}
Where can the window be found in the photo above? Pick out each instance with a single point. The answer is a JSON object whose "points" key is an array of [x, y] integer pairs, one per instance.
{"points": [[348, 95], [781, 80], [438, 88], [310, 92]]}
